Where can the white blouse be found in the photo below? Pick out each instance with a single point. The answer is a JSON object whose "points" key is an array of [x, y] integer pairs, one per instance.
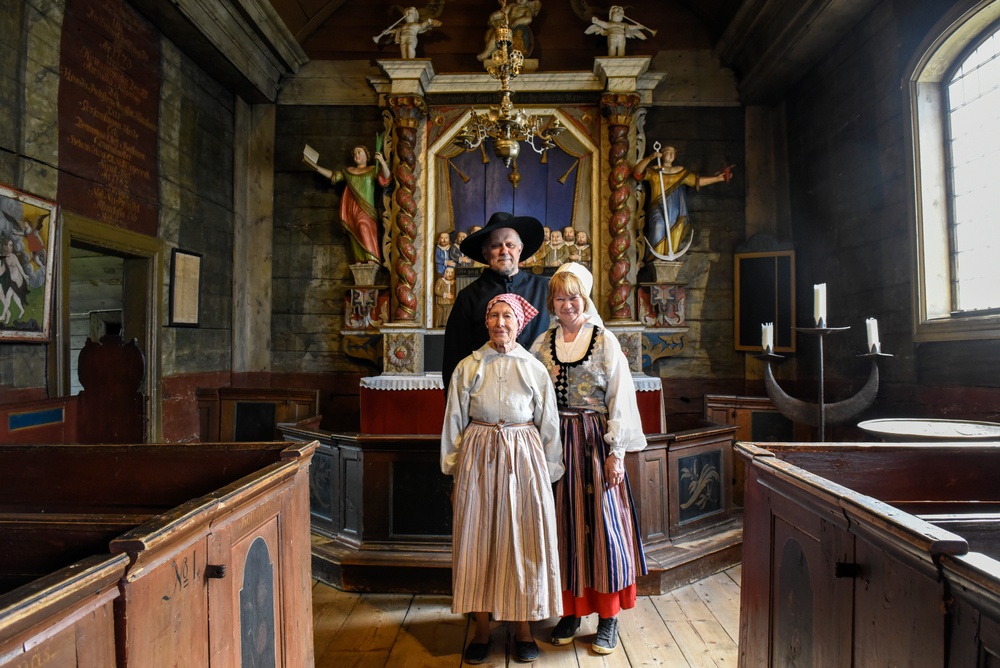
{"points": [[489, 386], [624, 422]]}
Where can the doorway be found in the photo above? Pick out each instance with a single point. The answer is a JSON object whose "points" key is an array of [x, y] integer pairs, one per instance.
{"points": [[109, 284]]}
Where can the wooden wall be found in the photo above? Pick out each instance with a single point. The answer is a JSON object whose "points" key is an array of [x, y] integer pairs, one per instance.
{"points": [[22, 366], [852, 229], [706, 139], [310, 262]]}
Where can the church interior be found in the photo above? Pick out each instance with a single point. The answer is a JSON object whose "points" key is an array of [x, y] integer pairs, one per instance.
{"points": [[221, 349]]}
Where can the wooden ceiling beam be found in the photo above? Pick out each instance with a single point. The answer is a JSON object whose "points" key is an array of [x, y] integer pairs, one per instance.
{"points": [[318, 19]]}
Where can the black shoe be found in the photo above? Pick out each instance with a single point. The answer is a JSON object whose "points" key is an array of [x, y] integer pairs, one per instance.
{"points": [[607, 636], [564, 631], [476, 652], [526, 651]]}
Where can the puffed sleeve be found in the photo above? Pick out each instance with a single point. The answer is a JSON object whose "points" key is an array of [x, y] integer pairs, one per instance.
{"points": [[546, 418], [624, 423], [456, 415]]}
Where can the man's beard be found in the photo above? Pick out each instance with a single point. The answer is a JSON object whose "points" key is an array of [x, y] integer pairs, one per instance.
{"points": [[507, 272]]}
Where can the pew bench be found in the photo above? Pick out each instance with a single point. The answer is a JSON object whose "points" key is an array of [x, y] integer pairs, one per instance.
{"points": [[155, 555], [870, 554]]}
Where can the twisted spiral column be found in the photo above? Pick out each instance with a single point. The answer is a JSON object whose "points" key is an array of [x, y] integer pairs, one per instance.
{"points": [[408, 111], [618, 110]]}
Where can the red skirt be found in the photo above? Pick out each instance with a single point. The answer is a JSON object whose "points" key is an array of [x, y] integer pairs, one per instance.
{"points": [[605, 605]]}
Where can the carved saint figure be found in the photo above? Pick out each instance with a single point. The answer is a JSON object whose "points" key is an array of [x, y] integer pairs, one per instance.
{"points": [[519, 13], [357, 204], [584, 249], [444, 296], [667, 219]]}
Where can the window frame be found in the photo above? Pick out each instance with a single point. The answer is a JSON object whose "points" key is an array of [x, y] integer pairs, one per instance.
{"points": [[950, 42]]}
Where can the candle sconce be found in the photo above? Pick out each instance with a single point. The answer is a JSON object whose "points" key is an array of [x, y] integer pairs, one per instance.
{"points": [[820, 413]]}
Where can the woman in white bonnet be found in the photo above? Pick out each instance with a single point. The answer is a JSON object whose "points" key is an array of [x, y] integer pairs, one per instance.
{"points": [[600, 553]]}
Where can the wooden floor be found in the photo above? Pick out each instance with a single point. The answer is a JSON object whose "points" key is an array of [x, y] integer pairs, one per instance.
{"points": [[696, 625]]}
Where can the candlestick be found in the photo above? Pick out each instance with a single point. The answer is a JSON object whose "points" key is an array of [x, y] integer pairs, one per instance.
{"points": [[819, 304], [767, 336], [874, 345]]}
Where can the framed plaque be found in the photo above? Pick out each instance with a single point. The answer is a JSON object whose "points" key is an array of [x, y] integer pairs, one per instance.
{"points": [[185, 288]]}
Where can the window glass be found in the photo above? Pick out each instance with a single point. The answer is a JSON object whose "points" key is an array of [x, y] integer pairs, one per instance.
{"points": [[974, 150]]}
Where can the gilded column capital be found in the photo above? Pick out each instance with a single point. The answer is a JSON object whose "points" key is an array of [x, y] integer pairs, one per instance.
{"points": [[407, 110], [619, 108]]}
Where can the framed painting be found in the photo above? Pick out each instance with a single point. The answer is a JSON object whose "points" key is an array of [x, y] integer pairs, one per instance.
{"points": [[27, 247]]}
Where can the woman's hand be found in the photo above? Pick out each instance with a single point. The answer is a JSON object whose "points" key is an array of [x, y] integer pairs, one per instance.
{"points": [[614, 470]]}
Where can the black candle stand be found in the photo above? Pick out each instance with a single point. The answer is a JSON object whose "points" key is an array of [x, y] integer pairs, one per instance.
{"points": [[820, 413]]}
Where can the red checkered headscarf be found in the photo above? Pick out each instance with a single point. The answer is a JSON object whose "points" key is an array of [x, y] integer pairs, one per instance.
{"points": [[523, 310]]}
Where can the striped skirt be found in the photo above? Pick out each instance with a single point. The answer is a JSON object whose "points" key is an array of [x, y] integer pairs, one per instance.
{"points": [[504, 555], [600, 552]]}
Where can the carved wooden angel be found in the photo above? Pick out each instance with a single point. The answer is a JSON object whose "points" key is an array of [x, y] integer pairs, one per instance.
{"points": [[617, 30], [413, 22]]}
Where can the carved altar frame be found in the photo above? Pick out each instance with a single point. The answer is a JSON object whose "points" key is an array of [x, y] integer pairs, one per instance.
{"points": [[434, 173], [620, 87]]}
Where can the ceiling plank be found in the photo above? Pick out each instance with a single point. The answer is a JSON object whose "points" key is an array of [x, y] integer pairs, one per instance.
{"points": [[318, 19]]}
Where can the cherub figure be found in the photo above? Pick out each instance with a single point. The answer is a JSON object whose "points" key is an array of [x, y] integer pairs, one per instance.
{"points": [[519, 13], [413, 22], [617, 30]]}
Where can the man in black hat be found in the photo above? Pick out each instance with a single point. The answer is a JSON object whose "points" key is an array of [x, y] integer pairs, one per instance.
{"points": [[500, 245]]}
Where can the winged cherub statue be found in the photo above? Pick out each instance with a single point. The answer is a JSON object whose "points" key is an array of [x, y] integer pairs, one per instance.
{"points": [[413, 22], [617, 30]]}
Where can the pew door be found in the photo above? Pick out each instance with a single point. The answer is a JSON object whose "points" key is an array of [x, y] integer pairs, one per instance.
{"points": [[260, 607]]}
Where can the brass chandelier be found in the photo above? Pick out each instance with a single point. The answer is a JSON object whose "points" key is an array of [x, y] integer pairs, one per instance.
{"points": [[506, 127]]}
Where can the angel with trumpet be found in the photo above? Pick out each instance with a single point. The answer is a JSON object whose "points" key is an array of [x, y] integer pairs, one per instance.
{"points": [[413, 22], [617, 30]]}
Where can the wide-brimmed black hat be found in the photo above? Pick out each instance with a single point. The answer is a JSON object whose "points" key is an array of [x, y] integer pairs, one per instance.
{"points": [[528, 228]]}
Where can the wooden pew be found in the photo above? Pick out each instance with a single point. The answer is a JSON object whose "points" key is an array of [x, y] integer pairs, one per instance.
{"points": [[33, 545], [65, 618], [199, 542], [870, 554]]}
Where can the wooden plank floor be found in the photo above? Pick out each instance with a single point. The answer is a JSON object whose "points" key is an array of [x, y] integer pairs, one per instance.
{"points": [[696, 625]]}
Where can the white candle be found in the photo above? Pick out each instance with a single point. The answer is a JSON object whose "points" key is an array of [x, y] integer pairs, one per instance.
{"points": [[767, 336], [819, 304], [874, 345]]}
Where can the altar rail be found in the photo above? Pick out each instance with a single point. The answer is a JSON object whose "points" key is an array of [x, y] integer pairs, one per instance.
{"points": [[381, 509], [856, 554], [155, 555]]}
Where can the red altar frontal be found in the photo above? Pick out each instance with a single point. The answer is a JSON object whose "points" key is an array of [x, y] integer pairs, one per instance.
{"points": [[411, 404]]}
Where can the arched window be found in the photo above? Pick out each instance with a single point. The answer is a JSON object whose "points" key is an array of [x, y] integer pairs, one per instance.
{"points": [[973, 95], [954, 98]]}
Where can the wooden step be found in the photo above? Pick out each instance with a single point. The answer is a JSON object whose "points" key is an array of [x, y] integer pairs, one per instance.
{"points": [[671, 564]]}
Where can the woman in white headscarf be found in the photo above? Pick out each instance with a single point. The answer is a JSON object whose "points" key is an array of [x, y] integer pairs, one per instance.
{"points": [[500, 441], [600, 553]]}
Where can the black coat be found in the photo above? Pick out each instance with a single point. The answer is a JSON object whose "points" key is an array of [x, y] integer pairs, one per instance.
{"points": [[466, 330]]}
